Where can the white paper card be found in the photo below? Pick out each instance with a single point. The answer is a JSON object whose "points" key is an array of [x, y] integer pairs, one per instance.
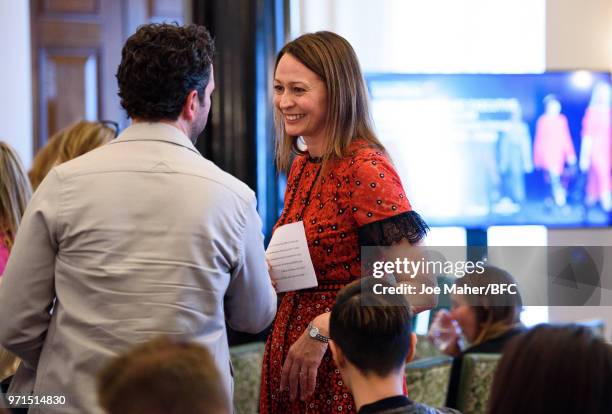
{"points": [[289, 258]]}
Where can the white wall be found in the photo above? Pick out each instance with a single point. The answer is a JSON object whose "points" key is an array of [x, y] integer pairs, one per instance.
{"points": [[579, 34], [434, 36], [16, 78]]}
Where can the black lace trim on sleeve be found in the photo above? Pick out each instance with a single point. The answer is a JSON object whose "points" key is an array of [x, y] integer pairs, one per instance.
{"points": [[409, 226]]}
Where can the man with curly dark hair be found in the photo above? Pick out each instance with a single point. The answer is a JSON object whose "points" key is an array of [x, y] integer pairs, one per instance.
{"points": [[138, 238], [164, 68]]}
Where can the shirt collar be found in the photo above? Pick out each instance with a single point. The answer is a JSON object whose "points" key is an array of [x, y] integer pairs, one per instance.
{"points": [[385, 404], [155, 131]]}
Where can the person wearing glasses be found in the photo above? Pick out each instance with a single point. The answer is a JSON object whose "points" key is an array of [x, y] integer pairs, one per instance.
{"points": [[70, 142], [139, 238]]}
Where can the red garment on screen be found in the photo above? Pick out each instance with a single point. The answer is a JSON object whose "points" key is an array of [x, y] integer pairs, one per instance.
{"points": [[553, 144], [597, 123]]}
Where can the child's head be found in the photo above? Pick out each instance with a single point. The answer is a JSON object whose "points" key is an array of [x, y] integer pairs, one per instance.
{"points": [[553, 369], [15, 192], [163, 377], [375, 339]]}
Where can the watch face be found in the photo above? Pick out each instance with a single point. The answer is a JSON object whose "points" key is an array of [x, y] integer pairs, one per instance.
{"points": [[314, 332]]}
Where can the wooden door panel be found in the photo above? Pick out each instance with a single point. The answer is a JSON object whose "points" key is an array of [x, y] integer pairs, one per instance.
{"points": [[70, 6], [70, 34], [76, 48], [70, 88], [68, 39]]}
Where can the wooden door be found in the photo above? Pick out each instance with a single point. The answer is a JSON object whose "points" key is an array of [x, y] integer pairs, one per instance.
{"points": [[76, 48]]}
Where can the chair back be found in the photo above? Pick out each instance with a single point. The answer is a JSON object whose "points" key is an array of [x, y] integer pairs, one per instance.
{"points": [[246, 363], [477, 371], [427, 380], [425, 348]]}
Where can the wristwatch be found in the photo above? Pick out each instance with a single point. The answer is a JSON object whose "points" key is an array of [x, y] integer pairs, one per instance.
{"points": [[313, 332]]}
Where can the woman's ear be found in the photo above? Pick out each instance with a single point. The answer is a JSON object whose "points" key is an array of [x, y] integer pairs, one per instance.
{"points": [[412, 348]]}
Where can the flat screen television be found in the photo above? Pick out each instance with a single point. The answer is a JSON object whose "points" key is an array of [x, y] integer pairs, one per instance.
{"points": [[477, 150]]}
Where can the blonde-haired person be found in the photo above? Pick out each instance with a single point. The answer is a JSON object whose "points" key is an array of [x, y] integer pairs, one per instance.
{"points": [[70, 142], [82, 137], [15, 192], [343, 187], [486, 321], [45, 159]]}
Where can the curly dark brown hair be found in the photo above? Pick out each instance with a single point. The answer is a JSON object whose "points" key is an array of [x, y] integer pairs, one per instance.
{"points": [[160, 65]]}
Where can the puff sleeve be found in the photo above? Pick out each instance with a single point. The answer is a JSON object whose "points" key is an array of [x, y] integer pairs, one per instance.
{"points": [[379, 204]]}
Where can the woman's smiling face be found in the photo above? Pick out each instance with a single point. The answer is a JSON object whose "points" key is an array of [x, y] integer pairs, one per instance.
{"points": [[300, 97]]}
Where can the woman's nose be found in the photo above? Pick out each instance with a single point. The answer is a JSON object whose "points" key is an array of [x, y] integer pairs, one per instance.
{"points": [[285, 101]]}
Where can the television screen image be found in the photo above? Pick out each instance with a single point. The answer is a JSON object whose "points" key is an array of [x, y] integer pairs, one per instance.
{"points": [[480, 150]]}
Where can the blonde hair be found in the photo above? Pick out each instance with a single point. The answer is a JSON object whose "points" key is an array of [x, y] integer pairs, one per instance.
{"points": [[71, 142], [45, 159], [333, 59], [15, 192], [82, 137]]}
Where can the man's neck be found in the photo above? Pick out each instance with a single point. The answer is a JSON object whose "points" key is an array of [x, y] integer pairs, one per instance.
{"points": [[368, 390], [177, 124]]}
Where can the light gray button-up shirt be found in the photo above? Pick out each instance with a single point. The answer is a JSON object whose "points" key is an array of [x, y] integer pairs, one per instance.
{"points": [[139, 238]]}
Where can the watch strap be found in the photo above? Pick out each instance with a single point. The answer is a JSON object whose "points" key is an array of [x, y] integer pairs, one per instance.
{"points": [[318, 336]]}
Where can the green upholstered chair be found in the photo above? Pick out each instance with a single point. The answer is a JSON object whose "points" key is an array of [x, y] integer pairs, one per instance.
{"points": [[477, 372], [427, 380], [425, 348], [246, 361], [598, 326]]}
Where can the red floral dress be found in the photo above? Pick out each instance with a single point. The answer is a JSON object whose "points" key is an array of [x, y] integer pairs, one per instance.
{"points": [[358, 200]]}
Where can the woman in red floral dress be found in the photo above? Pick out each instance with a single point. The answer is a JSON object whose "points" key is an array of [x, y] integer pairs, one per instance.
{"points": [[347, 193]]}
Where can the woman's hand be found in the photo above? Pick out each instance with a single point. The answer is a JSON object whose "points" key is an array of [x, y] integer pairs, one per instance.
{"points": [[443, 333], [303, 360]]}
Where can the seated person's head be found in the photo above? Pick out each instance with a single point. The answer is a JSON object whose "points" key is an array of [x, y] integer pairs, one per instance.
{"points": [[373, 340], [82, 137], [485, 316], [163, 377], [72, 141], [553, 369], [45, 158]]}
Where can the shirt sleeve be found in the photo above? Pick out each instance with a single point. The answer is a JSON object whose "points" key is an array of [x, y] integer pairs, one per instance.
{"points": [[379, 204], [250, 299]]}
